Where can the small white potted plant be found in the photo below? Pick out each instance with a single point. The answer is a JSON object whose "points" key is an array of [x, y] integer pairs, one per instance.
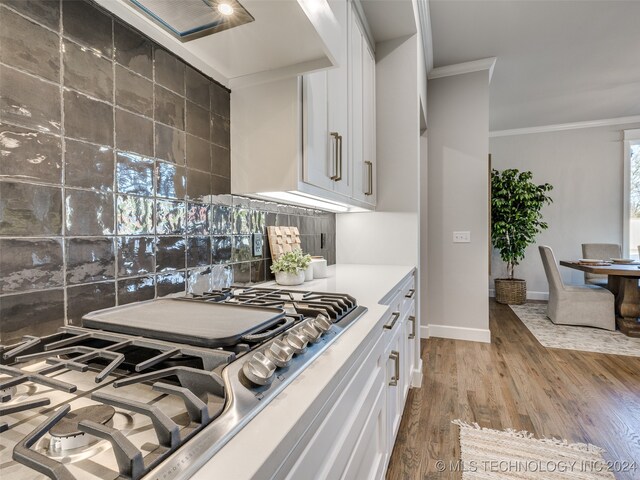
{"points": [[289, 268]]}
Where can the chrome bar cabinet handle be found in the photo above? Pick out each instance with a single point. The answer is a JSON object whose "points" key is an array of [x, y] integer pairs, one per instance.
{"points": [[412, 319], [336, 155], [395, 356], [390, 325], [370, 174]]}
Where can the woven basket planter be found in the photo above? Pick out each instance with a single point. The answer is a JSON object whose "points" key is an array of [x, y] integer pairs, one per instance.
{"points": [[511, 292]]}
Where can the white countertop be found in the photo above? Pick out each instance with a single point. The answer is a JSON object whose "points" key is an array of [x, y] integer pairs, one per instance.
{"points": [[247, 452]]}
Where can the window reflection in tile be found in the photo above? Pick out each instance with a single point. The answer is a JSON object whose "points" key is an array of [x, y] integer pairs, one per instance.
{"points": [[28, 264], [170, 217], [241, 248], [258, 219], [171, 180], [136, 289], [221, 220], [134, 215], [198, 251], [134, 174], [221, 249], [199, 280], [90, 259], [241, 221], [170, 254], [88, 213], [170, 283], [136, 255], [198, 218]]}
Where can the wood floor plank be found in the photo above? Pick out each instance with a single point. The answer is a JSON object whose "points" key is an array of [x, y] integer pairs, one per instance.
{"points": [[515, 382]]}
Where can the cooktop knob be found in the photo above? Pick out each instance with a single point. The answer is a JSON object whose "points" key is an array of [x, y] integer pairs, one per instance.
{"points": [[259, 369], [279, 353], [297, 341], [311, 332], [322, 323]]}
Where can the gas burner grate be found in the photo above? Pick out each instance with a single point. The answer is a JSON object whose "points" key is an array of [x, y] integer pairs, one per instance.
{"points": [[20, 407]]}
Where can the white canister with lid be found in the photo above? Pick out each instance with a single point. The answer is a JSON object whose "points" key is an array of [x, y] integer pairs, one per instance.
{"points": [[319, 265]]}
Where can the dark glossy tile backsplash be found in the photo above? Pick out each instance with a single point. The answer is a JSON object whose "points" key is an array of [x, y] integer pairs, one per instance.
{"points": [[115, 173]]}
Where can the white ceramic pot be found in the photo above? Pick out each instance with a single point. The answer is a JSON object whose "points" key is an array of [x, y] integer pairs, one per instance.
{"points": [[319, 265], [308, 273], [286, 278]]}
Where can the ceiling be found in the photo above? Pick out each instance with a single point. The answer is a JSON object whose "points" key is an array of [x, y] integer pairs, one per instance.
{"points": [[559, 61]]}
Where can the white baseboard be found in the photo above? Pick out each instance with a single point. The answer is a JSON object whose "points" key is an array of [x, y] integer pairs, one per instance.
{"points": [[460, 333], [416, 376], [530, 295], [424, 331]]}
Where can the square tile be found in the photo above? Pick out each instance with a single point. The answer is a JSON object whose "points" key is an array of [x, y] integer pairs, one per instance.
{"points": [[88, 119], [88, 26], [170, 144], [46, 12], [134, 174], [198, 218], [28, 101], [30, 155], [198, 184], [241, 248], [170, 254], [198, 154], [135, 255], [258, 273], [197, 87], [221, 249], [220, 131], [133, 92], [198, 251], [170, 217], [136, 289], [30, 210], [33, 313], [258, 220], [242, 272], [170, 70], [198, 121], [220, 100], [83, 299], [90, 260], [221, 221], [132, 50], [134, 133], [220, 161], [171, 180], [88, 166], [87, 72], [30, 264], [88, 213], [241, 221], [169, 283], [220, 185], [28, 46], [169, 108], [134, 215], [199, 280]]}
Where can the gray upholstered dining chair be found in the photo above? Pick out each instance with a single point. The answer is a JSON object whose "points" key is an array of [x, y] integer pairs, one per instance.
{"points": [[587, 305], [599, 251]]}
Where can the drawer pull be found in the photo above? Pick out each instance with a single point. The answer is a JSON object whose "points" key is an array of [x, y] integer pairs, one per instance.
{"points": [[412, 319], [395, 316], [370, 175], [411, 293], [395, 356]]}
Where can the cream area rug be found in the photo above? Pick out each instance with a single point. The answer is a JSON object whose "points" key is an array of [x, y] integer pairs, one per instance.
{"points": [[586, 339], [493, 454]]}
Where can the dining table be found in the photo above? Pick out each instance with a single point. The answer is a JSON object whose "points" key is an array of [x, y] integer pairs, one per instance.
{"points": [[623, 283]]}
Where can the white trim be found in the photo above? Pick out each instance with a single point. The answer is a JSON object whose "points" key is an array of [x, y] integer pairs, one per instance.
{"points": [[630, 136], [466, 67], [416, 375], [530, 295], [424, 17], [460, 333], [566, 126], [424, 331]]}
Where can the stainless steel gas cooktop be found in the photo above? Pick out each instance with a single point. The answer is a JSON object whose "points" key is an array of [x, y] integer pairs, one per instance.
{"points": [[124, 396]]}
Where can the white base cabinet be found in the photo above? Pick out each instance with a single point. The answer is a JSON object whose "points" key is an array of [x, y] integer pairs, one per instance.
{"points": [[353, 437]]}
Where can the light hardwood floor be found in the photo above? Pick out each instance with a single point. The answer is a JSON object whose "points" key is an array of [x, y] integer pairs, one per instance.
{"points": [[515, 382]]}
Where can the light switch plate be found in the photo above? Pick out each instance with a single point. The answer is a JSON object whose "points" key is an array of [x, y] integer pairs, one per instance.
{"points": [[257, 243], [461, 237]]}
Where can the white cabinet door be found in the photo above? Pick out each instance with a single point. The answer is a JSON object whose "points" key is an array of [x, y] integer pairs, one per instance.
{"points": [[369, 123], [395, 381], [356, 92]]}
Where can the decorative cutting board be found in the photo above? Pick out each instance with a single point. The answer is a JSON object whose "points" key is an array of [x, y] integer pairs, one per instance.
{"points": [[283, 239]]}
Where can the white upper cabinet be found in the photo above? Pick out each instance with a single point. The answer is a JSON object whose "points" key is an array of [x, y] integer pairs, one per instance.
{"points": [[311, 140]]}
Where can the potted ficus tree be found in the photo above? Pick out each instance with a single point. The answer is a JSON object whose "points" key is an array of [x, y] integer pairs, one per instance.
{"points": [[289, 268], [516, 220]]}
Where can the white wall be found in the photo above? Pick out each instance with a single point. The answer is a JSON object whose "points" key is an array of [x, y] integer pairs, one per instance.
{"points": [[390, 234], [458, 133], [585, 167]]}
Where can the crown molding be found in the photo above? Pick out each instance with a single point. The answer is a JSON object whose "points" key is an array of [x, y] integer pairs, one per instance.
{"points": [[566, 126], [466, 67]]}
